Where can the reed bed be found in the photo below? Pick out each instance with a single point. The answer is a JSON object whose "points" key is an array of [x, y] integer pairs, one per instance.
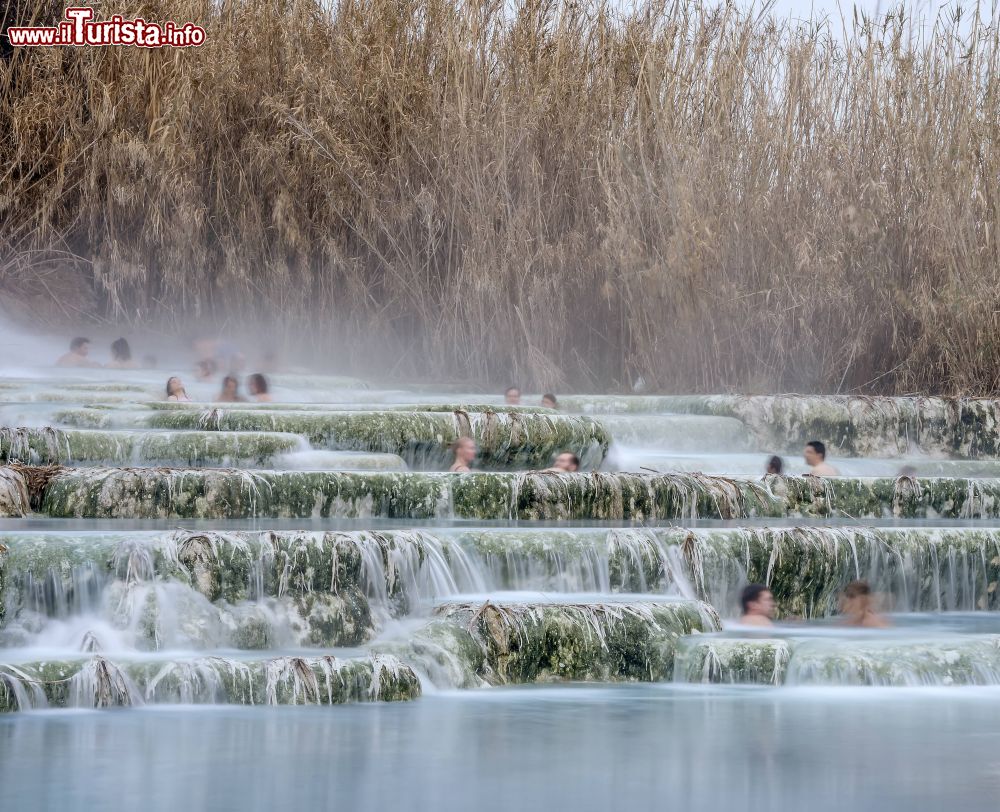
{"points": [[566, 195]]}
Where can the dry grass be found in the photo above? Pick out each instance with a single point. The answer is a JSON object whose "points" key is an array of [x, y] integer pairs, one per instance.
{"points": [[557, 195]]}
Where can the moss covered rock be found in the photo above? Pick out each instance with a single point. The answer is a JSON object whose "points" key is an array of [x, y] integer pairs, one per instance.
{"points": [[861, 426], [896, 662], [538, 642], [98, 682], [14, 498], [185, 493], [183, 448], [712, 659], [506, 439]]}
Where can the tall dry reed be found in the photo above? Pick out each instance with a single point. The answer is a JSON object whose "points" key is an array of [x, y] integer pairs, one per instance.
{"points": [[557, 194]]}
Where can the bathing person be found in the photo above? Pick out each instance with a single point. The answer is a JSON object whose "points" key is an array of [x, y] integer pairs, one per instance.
{"points": [[175, 390], [566, 463], [512, 396], [815, 455], [206, 369], [775, 465], [907, 470], [230, 391], [121, 355], [549, 401], [857, 607], [258, 388], [465, 454], [79, 349], [758, 605]]}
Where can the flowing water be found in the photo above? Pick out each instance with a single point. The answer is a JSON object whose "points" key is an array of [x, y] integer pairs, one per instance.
{"points": [[507, 638], [570, 748]]}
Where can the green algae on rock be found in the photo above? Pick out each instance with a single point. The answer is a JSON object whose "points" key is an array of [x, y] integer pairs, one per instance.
{"points": [[888, 660], [624, 496], [199, 590], [860, 426], [886, 497], [103, 417], [712, 659], [918, 569], [184, 448], [896, 662], [196, 493], [506, 440], [541, 642], [186, 493], [339, 461], [98, 682], [449, 654], [806, 567], [358, 406], [923, 569], [327, 584], [191, 493]]}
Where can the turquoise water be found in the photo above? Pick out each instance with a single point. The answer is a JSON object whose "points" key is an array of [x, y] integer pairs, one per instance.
{"points": [[635, 748]]}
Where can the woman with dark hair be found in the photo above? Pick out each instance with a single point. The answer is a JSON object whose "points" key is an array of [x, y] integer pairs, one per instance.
{"points": [[775, 465], [175, 390], [258, 389], [230, 391], [857, 607], [121, 355]]}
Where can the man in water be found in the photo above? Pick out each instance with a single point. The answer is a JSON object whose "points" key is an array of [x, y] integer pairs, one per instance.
{"points": [[857, 607], [566, 463], [758, 606], [512, 397], [465, 454], [79, 349], [815, 455], [549, 401]]}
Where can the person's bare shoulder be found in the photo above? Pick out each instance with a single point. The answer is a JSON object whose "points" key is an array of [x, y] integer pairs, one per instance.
{"points": [[755, 620], [874, 621]]}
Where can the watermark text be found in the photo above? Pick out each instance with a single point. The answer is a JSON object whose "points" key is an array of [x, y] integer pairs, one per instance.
{"points": [[79, 29]]}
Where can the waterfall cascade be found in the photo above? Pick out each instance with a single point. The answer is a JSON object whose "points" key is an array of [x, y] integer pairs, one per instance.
{"points": [[480, 579]]}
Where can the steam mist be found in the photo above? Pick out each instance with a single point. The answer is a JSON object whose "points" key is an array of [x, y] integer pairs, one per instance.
{"points": [[568, 197]]}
